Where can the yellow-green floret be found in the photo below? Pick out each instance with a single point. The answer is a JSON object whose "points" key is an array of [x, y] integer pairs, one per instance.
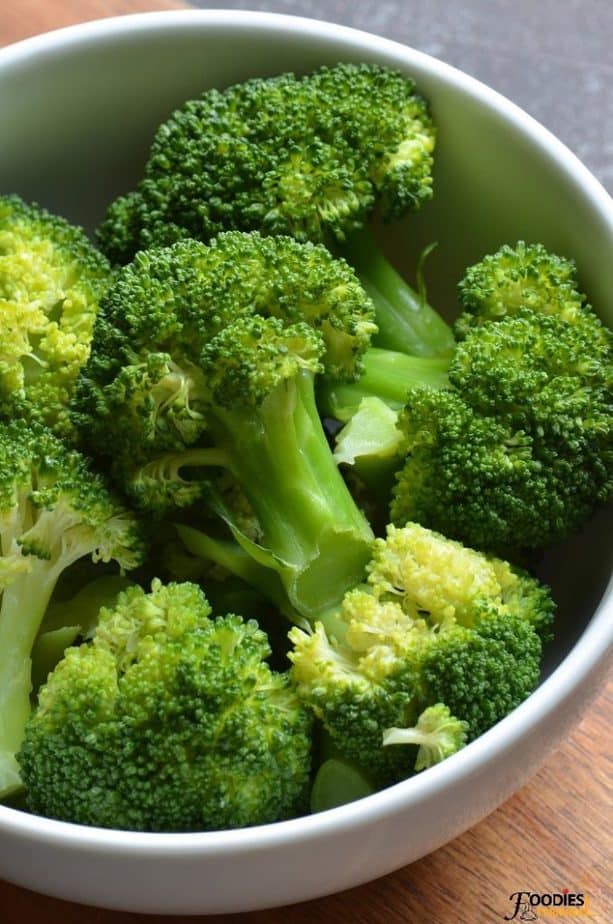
{"points": [[169, 720], [54, 511], [437, 735], [432, 609], [51, 281]]}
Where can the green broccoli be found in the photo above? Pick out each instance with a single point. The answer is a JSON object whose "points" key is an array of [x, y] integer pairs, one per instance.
{"points": [[514, 278], [508, 443], [53, 511], [437, 735], [518, 451], [51, 280], [170, 720], [436, 625], [309, 157], [204, 358]]}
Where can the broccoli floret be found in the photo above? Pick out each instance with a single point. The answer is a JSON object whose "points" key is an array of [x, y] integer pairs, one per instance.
{"points": [[501, 656], [431, 607], [307, 156], [508, 442], [517, 452], [51, 280], [513, 368], [170, 720], [513, 278], [204, 358], [53, 511], [437, 735]]}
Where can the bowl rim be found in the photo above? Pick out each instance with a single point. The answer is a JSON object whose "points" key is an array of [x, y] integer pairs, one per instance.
{"points": [[588, 653]]}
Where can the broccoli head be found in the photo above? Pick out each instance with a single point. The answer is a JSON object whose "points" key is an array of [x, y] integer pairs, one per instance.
{"points": [[305, 156], [506, 444], [170, 720], [522, 276], [310, 157], [51, 280], [204, 360], [518, 450], [431, 609], [53, 511]]}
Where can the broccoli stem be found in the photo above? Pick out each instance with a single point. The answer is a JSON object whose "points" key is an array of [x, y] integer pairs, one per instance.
{"points": [[24, 603], [387, 375], [319, 539], [229, 555], [407, 323]]}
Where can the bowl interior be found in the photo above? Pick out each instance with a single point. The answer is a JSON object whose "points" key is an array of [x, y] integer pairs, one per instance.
{"points": [[76, 123]]}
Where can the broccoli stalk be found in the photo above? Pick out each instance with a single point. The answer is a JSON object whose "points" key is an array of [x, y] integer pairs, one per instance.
{"points": [[53, 511], [387, 375], [23, 607], [316, 537], [281, 456], [231, 557], [406, 322], [372, 440]]}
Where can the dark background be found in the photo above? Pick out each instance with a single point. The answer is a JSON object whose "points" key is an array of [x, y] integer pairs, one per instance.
{"points": [[551, 57]]}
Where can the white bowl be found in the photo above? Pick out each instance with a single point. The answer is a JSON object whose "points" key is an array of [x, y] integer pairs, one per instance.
{"points": [[77, 112]]}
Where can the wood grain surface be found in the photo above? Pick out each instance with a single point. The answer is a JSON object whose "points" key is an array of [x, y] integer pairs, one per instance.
{"points": [[554, 834], [22, 18]]}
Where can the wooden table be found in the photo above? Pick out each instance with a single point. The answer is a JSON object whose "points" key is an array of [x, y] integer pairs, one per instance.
{"points": [[553, 834]]}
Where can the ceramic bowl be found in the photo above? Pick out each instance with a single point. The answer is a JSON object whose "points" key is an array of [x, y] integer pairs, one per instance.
{"points": [[77, 111]]}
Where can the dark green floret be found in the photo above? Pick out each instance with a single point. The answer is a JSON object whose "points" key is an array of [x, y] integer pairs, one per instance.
{"points": [[509, 441], [305, 156], [51, 281], [523, 276], [309, 157], [53, 511], [500, 655], [518, 451], [204, 360], [169, 720]]}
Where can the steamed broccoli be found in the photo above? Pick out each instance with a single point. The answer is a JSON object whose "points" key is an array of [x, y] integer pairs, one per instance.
{"points": [[170, 720], [51, 280], [437, 624], [514, 278], [509, 441], [437, 735], [204, 359], [309, 157], [53, 511]]}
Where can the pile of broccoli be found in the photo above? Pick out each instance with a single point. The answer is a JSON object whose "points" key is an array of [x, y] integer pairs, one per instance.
{"points": [[265, 516]]}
